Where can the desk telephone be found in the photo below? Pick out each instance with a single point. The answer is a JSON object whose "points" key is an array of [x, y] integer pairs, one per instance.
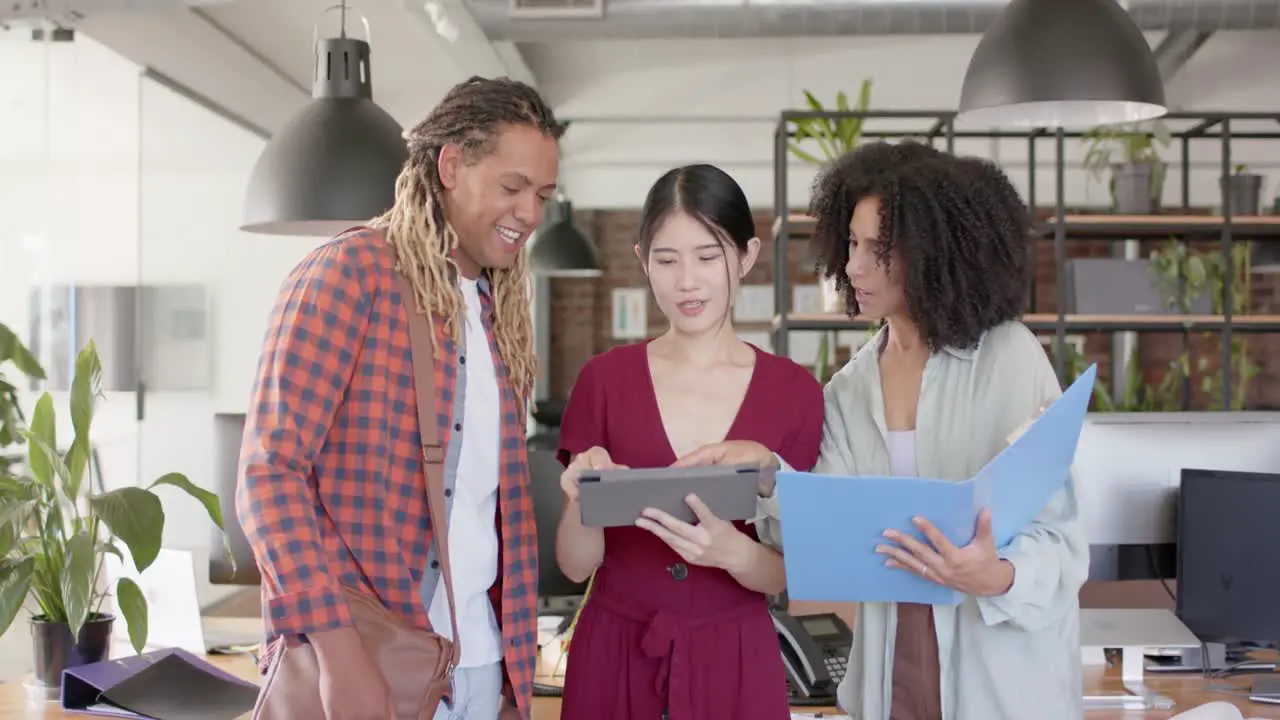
{"points": [[815, 652]]}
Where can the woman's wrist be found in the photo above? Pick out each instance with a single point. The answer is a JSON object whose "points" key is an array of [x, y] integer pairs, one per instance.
{"points": [[1002, 576], [744, 557]]}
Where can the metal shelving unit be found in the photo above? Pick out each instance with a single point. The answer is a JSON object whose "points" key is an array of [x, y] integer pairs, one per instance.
{"points": [[1061, 228]]}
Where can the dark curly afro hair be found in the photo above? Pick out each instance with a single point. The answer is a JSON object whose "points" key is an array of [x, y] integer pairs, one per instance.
{"points": [[956, 223]]}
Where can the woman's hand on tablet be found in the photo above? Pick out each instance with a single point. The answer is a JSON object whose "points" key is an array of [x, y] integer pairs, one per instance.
{"points": [[730, 452], [595, 458], [736, 452], [712, 542]]}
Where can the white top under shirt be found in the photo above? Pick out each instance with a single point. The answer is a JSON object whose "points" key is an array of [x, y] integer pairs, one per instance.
{"points": [[902, 453], [473, 532]]}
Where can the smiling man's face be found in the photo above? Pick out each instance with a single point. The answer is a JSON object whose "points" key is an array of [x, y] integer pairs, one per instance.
{"points": [[495, 201]]}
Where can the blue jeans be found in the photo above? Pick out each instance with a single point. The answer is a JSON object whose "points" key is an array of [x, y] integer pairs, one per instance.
{"points": [[477, 694]]}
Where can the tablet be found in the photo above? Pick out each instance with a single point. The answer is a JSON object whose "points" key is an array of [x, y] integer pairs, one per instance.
{"points": [[615, 498]]}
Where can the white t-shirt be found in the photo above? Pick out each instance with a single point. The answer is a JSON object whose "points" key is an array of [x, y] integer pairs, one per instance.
{"points": [[473, 534], [902, 452]]}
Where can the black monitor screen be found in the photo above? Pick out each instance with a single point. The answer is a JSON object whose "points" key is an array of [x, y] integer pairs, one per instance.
{"points": [[1228, 539], [228, 429], [548, 503]]}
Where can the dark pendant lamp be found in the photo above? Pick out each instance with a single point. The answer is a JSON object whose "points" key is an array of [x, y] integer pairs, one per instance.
{"points": [[1062, 63], [335, 163], [558, 249]]}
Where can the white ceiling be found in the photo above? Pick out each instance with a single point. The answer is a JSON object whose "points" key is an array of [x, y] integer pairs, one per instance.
{"points": [[254, 57]]}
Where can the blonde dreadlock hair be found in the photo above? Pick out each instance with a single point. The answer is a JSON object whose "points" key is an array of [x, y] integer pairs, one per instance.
{"points": [[470, 116]]}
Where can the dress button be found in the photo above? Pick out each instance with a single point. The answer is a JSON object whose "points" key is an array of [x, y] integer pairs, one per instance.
{"points": [[457, 427], [679, 571], [435, 564], [448, 492], [462, 359]]}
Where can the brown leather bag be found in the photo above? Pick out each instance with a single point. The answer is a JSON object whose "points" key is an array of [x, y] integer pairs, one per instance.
{"points": [[417, 664]]}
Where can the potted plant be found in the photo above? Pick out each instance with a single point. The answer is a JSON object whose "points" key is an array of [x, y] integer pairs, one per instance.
{"points": [[55, 533], [831, 138], [1131, 154], [1186, 281], [1241, 192], [12, 420]]}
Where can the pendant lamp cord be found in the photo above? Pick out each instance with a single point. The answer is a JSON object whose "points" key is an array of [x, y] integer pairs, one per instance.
{"points": [[342, 20]]}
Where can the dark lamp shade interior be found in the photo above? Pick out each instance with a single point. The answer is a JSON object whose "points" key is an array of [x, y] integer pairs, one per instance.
{"points": [[1062, 63], [332, 166], [558, 249]]}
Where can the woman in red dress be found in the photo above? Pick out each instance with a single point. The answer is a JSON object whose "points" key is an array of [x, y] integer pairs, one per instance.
{"points": [[676, 624]]}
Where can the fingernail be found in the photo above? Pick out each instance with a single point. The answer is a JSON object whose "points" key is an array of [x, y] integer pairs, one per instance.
{"points": [[882, 549], [890, 534], [917, 521]]}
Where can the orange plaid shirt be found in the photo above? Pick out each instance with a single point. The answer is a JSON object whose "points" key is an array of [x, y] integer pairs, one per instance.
{"points": [[331, 488]]}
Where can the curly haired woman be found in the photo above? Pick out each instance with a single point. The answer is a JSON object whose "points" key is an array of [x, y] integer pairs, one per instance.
{"points": [[936, 247]]}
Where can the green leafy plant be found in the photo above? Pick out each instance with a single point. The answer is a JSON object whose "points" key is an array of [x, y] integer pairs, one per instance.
{"points": [[1184, 277], [1127, 144], [1137, 394], [12, 419], [55, 533], [1238, 271], [832, 138]]}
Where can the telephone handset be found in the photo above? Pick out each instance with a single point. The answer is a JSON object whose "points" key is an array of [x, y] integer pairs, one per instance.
{"points": [[815, 652]]}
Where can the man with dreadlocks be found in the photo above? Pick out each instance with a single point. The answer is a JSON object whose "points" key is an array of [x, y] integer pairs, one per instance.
{"points": [[332, 489]]}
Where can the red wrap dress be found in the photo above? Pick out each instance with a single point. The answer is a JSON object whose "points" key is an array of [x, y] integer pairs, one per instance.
{"points": [[657, 637]]}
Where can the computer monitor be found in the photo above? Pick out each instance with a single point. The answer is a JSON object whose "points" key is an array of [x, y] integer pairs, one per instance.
{"points": [[1228, 577], [548, 504], [228, 430], [1128, 468]]}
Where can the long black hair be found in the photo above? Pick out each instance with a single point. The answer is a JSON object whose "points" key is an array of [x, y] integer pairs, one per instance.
{"points": [[705, 193], [956, 223]]}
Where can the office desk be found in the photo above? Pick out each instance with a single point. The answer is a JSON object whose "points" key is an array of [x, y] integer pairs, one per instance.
{"points": [[1187, 690]]}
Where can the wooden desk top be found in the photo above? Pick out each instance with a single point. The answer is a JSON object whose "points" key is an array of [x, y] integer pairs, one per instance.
{"points": [[1187, 691]]}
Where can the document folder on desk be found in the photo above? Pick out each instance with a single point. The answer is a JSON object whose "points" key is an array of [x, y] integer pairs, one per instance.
{"points": [[831, 525], [169, 684]]}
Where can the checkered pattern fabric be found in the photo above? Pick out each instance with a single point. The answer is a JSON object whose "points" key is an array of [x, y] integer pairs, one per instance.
{"points": [[332, 490]]}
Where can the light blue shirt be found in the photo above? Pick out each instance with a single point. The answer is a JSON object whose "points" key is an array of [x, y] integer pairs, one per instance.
{"points": [[1013, 656]]}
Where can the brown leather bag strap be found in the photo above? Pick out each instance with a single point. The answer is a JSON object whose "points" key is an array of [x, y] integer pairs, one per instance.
{"points": [[424, 382]]}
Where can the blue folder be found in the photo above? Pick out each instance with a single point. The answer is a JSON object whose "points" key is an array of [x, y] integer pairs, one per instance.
{"points": [[831, 525]]}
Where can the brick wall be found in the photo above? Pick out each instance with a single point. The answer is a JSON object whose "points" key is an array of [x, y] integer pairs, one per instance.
{"points": [[580, 309]]}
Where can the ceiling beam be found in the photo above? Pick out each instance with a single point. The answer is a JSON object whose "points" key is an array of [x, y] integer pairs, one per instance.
{"points": [[466, 44], [190, 51], [513, 59], [1176, 48]]}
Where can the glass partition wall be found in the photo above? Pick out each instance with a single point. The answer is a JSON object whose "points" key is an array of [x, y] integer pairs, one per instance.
{"points": [[120, 201], [69, 224]]}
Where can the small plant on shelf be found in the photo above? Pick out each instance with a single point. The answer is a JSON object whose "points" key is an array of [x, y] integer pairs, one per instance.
{"points": [[827, 139], [1185, 279], [1137, 394], [1128, 156], [1242, 192], [56, 531], [833, 137]]}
